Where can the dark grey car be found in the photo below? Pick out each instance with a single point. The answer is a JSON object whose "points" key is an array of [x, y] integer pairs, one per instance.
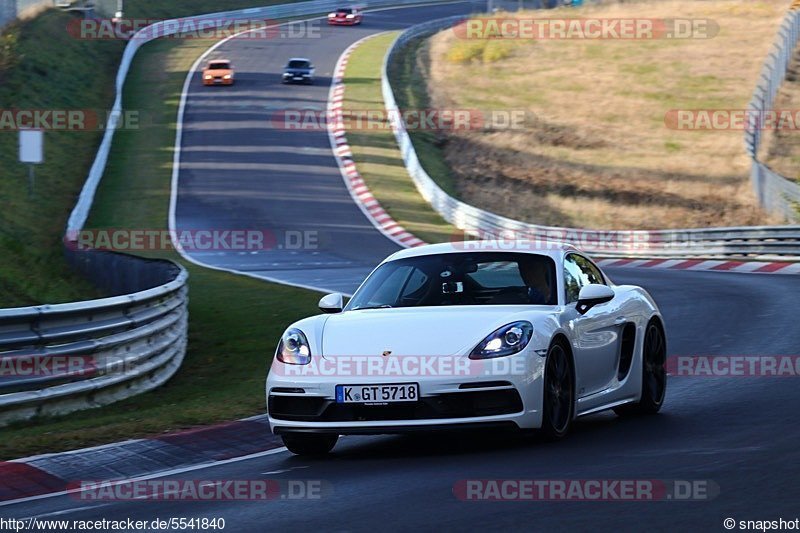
{"points": [[298, 70]]}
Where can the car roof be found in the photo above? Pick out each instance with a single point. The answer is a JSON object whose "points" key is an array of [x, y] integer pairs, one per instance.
{"points": [[219, 60], [552, 249], [299, 59]]}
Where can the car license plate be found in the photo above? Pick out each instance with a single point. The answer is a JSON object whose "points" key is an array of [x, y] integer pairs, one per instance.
{"points": [[298, 78], [377, 394]]}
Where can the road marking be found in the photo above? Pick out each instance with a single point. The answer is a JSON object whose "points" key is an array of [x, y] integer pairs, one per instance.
{"points": [[274, 472]]}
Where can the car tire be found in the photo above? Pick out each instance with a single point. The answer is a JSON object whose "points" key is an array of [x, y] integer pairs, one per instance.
{"points": [[558, 405], [309, 443], [654, 374]]}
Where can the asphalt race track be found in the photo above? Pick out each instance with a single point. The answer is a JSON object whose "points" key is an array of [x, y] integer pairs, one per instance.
{"points": [[740, 434], [239, 171]]}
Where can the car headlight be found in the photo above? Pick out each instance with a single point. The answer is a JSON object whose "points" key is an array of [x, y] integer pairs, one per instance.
{"points": [[227, 76], [331, 15], [508, 340], [293, 348], [208, 76], [350, 16]]}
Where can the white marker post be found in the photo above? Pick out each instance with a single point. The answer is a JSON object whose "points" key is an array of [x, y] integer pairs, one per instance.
{"points": [[31, 151]]}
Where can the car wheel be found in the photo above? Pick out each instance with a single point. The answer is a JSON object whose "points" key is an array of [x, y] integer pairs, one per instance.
{"points": [[309, 443], [559, 394], [654, 374]]}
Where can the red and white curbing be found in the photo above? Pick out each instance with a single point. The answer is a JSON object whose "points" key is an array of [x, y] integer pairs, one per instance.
{"points": [[389, 227], [712, 265], [344, 157]]}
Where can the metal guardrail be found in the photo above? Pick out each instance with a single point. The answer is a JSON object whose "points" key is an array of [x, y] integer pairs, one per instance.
{"points": [[773, 191], [703, 242], [55, 359]]}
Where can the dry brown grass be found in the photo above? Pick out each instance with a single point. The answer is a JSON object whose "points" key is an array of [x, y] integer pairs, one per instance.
{"points": [[598, 153], [782, 147]]}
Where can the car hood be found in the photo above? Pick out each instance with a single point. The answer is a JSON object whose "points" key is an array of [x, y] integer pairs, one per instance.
{"points": [[217, 72], [418, 331], [297, 70]]}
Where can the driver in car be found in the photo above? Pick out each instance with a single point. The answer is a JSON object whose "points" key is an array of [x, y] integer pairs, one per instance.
{"points": [[536, 275], [537, 289]]}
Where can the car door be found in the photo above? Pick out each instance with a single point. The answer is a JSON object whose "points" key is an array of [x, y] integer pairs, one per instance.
{"points": [[595, 335]]}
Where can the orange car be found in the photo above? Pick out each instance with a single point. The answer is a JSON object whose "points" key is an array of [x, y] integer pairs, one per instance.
{"points": [[218, 72]]}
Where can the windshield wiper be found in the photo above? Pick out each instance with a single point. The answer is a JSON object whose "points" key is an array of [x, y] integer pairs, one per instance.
{"points": [[384, 306]]}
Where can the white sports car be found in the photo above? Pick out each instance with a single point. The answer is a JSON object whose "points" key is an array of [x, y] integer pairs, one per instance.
{"points": [[468, 335]]}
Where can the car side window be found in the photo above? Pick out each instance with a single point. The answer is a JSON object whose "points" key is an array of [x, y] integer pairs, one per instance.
{"points": [[578, 272], [573, 280], [590, 272]]}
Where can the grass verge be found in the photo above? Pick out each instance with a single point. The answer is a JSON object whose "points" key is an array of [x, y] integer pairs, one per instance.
{"points": [[44, 68], [375, 150], [230, 345], [408, 75]]}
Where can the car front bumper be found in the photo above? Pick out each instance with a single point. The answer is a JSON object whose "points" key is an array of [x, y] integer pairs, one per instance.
{"points": [[490, 396], [297, 79], [343, 22], [217, 81]]}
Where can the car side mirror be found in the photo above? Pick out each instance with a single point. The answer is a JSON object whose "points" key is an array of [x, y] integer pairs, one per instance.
{"points": [[593, 294], [332, 303]]}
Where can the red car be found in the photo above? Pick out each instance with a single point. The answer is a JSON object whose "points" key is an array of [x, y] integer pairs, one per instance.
{"points": [[345, 16]]}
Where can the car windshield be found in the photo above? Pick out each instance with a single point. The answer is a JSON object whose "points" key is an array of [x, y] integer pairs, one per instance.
{"points": [[219, 65], [344, 11], [297, 63], [480, 278]]}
